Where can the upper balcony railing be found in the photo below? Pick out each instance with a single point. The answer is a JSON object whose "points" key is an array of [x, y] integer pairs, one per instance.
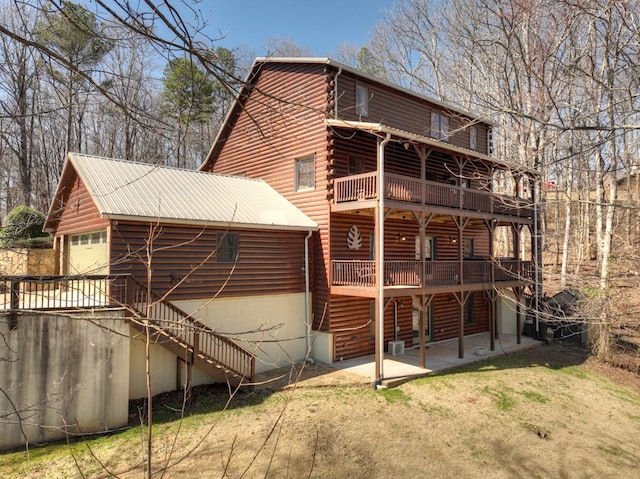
{"points": [[424, 192], [436, 273]]}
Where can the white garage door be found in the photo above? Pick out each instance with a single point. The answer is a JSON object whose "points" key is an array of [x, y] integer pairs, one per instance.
{"points": [[88, 253]]}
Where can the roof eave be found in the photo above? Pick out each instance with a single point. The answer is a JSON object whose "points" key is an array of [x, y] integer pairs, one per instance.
{"points": [[208, 224]]}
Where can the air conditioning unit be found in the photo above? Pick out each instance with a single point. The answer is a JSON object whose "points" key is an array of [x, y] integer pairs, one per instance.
{"points": [[396, 348]]}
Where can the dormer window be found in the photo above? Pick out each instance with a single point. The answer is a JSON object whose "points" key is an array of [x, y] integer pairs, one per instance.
{"points": [[439, 126], [362, 100]]}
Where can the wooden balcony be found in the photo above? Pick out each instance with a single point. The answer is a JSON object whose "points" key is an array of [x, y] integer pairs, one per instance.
{"points": [[441, 275], [351, 190]]}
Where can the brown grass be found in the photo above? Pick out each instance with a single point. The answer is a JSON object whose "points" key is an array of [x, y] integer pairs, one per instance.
{"points": [[547, 412]]}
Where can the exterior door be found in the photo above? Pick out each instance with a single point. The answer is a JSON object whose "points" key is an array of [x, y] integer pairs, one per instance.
{"points": [[88, 253], [428, 323]]}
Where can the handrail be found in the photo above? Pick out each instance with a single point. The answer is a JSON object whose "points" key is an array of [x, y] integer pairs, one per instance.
{"points": [[414, 190], [100, 291], [171, 319]]}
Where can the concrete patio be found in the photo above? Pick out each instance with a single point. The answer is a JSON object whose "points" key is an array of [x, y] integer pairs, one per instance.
{"points": [[440, 356]]}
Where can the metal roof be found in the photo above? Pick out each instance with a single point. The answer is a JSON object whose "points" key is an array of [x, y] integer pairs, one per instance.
{"points": [[127, 190]]}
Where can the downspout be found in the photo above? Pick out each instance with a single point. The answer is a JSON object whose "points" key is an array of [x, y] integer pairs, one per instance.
{"points": [[380, 265], [395, 319], [536, 251], [335, 93], [307, 299]]}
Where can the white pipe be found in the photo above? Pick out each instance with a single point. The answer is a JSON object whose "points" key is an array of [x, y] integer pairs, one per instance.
{"points": [[536, 252], [307, 299], [335, 93], [380, 269]]}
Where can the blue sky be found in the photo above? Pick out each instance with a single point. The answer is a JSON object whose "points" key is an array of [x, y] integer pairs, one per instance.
{"points": [[320, 25]]}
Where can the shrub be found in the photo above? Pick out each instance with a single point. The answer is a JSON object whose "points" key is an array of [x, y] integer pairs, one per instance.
{"points": [[21, 227]]}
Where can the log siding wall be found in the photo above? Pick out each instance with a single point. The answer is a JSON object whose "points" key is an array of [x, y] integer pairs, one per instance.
{"points": [[79, 213], [265, 138], [404, 111], [269, 261]]}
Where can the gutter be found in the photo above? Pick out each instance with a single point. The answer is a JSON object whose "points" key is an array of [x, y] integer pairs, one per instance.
{"points": [[335, 93]]}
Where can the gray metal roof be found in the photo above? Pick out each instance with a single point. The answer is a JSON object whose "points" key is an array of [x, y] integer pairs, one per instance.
{"points": [[127, 190]]}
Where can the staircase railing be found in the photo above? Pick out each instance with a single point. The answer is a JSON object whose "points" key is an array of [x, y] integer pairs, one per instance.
{"points": [[200, 343]]}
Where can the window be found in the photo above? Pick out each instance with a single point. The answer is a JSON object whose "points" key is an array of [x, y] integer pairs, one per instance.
{"points": [[372, 321], [228, 247], [372, 247], [490, 142], [439, 126], [467, 248], [427, 317], [362, 100], [356, 165], [473, 138], [468, 309], [305, 174], [429, 253]]}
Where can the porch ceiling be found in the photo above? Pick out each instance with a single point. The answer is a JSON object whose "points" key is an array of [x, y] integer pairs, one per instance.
{"points": [[402, 135]]}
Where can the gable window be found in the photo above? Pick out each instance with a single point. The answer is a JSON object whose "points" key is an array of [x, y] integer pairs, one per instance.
{"points": [[362, 100], [469, 309], [356, 165], [473, 138], [305, 174], [228, 247], [439, 126]]}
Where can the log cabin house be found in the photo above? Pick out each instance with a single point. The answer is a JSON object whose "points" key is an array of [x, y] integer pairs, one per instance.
{"points": [[423, 236], [335, 215], [215, 268]]}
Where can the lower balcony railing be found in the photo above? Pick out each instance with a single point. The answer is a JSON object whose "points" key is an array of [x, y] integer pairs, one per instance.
{"points": [[436, 273]]}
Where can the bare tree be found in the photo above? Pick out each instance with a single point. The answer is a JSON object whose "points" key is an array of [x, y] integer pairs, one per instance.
{"points": [[19, 85]]}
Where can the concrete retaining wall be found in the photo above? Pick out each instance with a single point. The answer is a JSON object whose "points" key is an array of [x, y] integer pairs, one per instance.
{"points": [[63, 374]]}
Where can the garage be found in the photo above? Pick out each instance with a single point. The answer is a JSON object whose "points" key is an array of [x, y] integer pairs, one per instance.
{"points": [[88, 253]]}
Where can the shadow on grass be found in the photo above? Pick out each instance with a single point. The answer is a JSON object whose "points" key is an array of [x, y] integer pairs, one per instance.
{"points": [[205, 399], [554, 355]]}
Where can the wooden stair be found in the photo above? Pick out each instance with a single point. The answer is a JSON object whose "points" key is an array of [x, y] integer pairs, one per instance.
{"points": [[169, 326], [194, 342]]}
